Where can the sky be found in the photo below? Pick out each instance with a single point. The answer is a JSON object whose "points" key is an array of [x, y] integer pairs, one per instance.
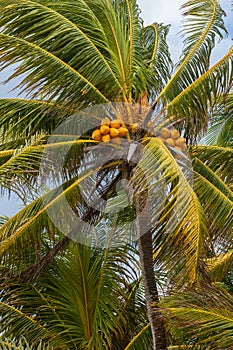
{"points": [[165, 11]]}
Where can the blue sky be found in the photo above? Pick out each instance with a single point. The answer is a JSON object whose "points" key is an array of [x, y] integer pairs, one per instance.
{"points": [[166, 11]]}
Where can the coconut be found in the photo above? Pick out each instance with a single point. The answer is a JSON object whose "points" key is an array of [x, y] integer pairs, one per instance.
{"points": [[123, 131], [115, 124], [96, 135], [117, 140], [178, 148], [114, 132], [106, 121], [104, 129], [182, 139], [106, 138], [180, 142], [175, 134], [170, 142], [165, 133], [134, 127]]}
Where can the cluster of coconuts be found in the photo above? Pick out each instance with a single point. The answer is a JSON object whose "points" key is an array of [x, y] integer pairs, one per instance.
{"points": [[112, 130], [172, 138], [115, 130]]}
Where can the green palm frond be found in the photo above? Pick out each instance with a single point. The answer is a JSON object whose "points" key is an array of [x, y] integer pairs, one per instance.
{"points": [[12, 317], [221, 125], [7, 344], [218, 159], [195, 100], [31, 221], [76, 40], [79, 299], [22, 118], [206, 316], [20, 174], [122, 25], [67, 201], [157, 55], [88, 47], [3, 219], [138, 342], [220, 266], [171, 235], [217, 201], [19, 168], [45, 76], [199, 32]]}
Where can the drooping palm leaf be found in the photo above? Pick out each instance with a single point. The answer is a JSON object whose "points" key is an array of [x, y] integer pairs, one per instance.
{"points": [[199, 33], [81, 299], [220, 265], [218, 159], [176, 215], [8, 344], [205, 315], [217, 201], [221, 125]]}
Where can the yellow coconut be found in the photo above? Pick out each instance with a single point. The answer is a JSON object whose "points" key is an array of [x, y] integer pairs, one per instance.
{"points": [[104, 129], [178, 148], [170, 142], [96, 135], [175, 134], [180, 142], [123, 131], [134, 127], [117, 140], [115, 124], [114, 132], [165, 133], [106, 138], [182, 139], [106, 121]]}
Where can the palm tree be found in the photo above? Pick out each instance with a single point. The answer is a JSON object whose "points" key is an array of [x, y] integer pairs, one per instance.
{"points": [[77, 54]]}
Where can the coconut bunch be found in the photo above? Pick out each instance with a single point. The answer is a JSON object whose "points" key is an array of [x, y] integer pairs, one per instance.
{"points": [[112, 130], [172, 138]]}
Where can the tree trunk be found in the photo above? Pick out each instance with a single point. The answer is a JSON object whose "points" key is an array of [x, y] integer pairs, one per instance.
{"points": [[146, 258]]}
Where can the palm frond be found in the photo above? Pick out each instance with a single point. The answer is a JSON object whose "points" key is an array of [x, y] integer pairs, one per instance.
{"points": [[70, 36], [220, 265], [220, 124], [23, 118], [43, 69], [79, 298], [217, 201], [177, 218], [12, 318], [22, 344], [30, 223], [206, 316], [194, 101], [218, 159], [203, 22], [157, 55]]}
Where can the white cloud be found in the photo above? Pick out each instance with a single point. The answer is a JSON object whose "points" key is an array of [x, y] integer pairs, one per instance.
{"points": [[166, 11]]}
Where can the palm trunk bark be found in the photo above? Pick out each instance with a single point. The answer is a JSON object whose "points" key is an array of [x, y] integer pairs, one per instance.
{"points": [[146, 259]]}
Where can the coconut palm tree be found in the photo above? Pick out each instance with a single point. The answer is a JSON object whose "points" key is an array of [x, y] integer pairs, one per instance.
{"points": [[71, 55]]}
